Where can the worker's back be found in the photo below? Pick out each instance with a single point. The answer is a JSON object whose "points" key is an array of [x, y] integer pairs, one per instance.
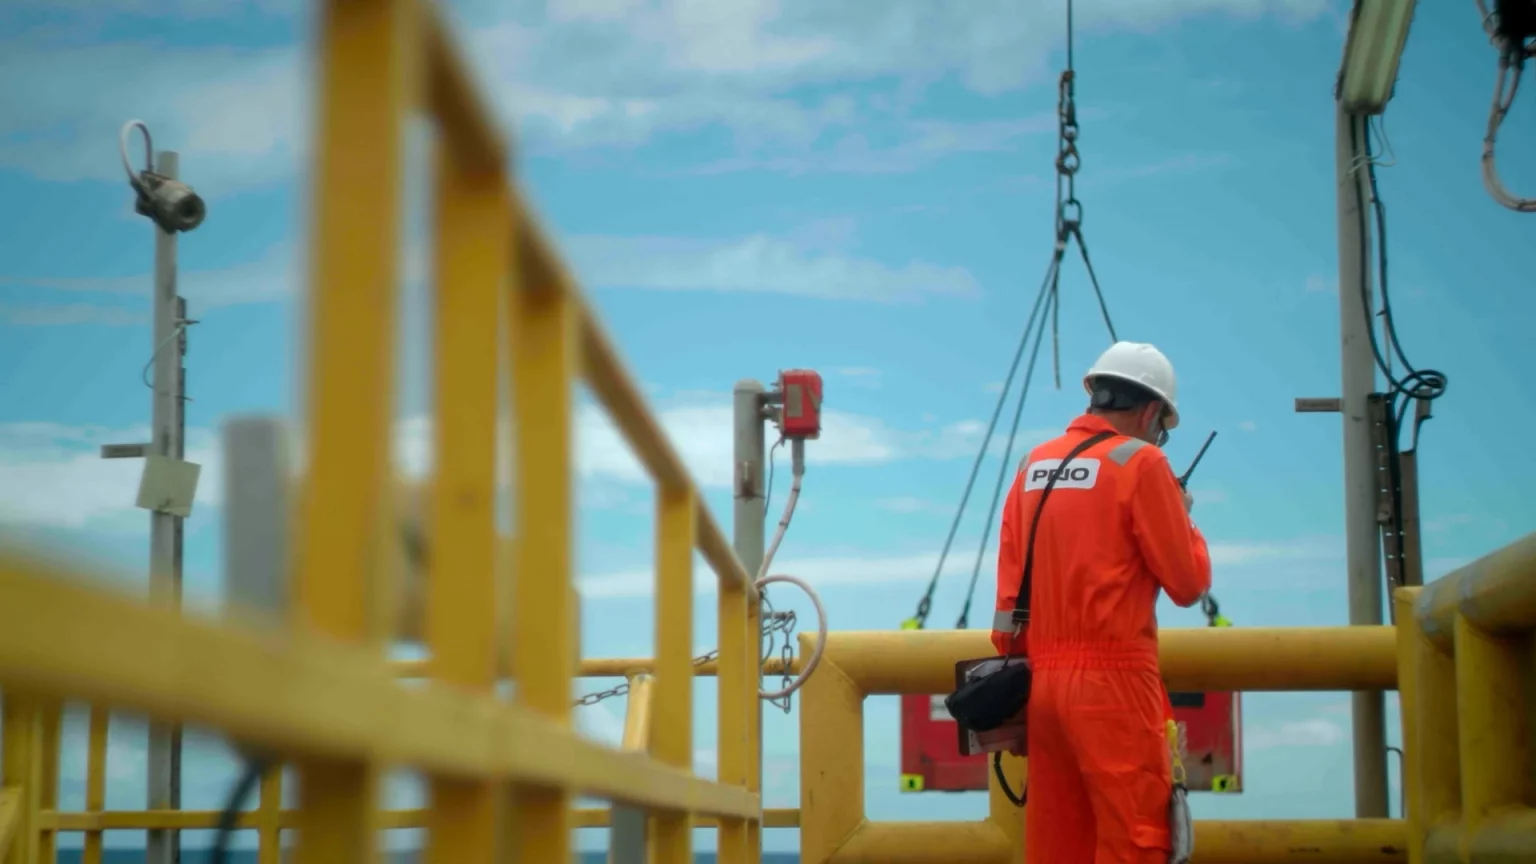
{"points": [[1113, 532]]}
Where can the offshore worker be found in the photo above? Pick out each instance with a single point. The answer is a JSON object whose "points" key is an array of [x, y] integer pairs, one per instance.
{"points": [[1108, 539]]}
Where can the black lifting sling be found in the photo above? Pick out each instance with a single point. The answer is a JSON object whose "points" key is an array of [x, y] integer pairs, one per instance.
{"points": [[986, 702]]}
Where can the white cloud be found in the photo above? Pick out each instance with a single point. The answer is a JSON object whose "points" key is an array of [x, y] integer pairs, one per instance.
{"points": [[574, 74], [1315, 732], [52, 474], [1248, 426], [67, 314], [758, 263], [235, 115], [270, 277], [845, 570], [801, 264]]}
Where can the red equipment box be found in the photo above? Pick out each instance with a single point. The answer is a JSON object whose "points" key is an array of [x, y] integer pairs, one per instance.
{"points": [[801, 417], [1210, 723]]}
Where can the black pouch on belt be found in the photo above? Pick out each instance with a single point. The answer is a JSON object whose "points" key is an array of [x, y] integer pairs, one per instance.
{"points": [[987, 701], [983, 704]]}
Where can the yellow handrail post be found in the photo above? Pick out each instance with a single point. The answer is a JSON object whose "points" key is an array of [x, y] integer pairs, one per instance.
{"points": [[472, 238], [96, 779], [754, 728], [48, 774], [737, 697], [542, 326], [672, 725], [368, 81], [23, 773]]}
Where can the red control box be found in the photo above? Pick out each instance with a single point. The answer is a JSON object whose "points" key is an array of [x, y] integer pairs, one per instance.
{"points": [[1211, 725], [801, 417]]}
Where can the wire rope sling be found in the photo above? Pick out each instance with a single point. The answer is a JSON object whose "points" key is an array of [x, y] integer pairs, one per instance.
{"points": [[932, 755]]}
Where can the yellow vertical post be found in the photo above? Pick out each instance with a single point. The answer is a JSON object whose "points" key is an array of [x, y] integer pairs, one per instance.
{"points": [[22, 764], [95, 779], [1436, 759], [472, 236], [1410, 707], [672, 730], [1490, 716], [269, 812], [48, 775], [543, 329], [368, 76], [737, 694], [754, 627]]}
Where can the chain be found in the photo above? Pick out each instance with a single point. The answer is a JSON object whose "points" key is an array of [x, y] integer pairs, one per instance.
{"points": [[774, 623]]}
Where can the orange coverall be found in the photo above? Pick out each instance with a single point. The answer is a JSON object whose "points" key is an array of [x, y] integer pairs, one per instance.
{"points": [[1099, 766]]}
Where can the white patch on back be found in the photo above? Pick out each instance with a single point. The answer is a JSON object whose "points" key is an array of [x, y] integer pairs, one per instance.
{"points": [[1080, 474]]}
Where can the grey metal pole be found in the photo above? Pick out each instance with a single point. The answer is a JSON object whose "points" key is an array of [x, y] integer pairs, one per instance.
{"points": [[164, 774], [749, 453], [1361, 532]]}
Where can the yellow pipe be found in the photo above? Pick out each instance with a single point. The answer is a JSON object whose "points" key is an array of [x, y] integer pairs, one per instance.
{"points": [[1207, 658], [1496, 593]]}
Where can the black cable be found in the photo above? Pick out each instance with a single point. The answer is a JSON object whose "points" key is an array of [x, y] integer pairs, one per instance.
{"points": [[997, 769], [250, 779], [1417, 385]]}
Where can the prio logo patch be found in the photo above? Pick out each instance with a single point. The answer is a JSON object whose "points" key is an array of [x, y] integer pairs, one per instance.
{"points": [[1079, 474]]}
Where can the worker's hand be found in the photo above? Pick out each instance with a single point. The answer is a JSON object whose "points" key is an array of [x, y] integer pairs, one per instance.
{"points": [[1189, 500]]}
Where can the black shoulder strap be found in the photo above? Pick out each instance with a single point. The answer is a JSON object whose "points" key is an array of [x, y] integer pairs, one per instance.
{"points": [[1021, 604]]}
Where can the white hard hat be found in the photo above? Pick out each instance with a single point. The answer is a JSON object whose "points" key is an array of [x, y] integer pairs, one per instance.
{"points": [[1139, 363]]}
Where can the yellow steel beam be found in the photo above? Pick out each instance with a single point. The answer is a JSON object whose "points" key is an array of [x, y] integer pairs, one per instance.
{"points": [[473, 229], [1496, 593], [129, 820], [298, 694], [1206, 658]]}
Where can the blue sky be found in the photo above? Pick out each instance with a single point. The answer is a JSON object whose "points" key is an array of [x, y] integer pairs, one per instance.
{"points": [[864, 191]]}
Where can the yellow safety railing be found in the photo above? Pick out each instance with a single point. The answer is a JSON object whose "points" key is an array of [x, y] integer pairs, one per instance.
{"points": [[502, 775], [835, 830], [318, 691], [1466, 652]]}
